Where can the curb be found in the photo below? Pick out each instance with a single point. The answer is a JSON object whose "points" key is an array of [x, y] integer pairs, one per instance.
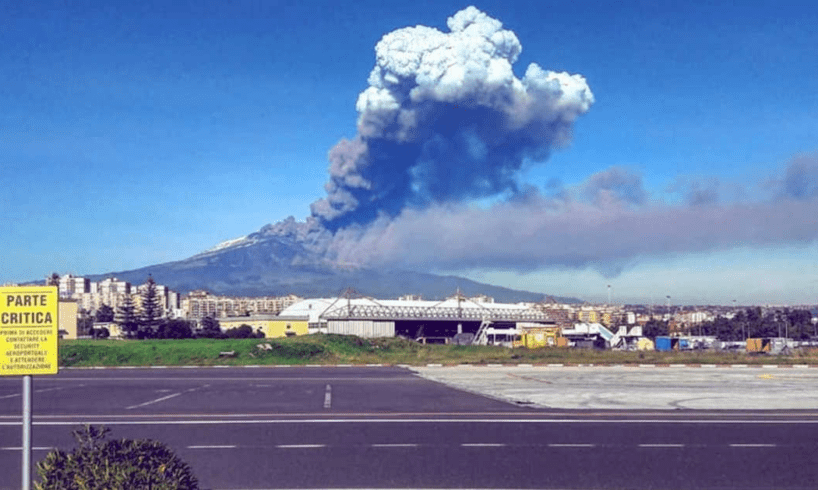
{"points": [[487, 365]]}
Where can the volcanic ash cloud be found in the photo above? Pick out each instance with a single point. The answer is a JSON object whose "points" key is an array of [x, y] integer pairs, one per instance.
{"points": [[445, 119]]}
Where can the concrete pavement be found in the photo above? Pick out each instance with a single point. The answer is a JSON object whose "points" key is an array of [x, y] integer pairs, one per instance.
{"points": [[637, 388]]}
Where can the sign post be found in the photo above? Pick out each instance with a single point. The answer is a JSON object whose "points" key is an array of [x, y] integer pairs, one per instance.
{"points": [[29, 333]]}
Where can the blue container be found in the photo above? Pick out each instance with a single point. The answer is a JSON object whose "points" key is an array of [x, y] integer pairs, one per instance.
{"points": [[663, 344]]}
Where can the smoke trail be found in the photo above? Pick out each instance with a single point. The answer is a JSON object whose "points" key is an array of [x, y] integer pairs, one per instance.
{"points": [[445, 119], [606, 223]]}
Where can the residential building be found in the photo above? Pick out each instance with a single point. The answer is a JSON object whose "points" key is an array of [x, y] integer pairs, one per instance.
{"points": [[199, 304]]}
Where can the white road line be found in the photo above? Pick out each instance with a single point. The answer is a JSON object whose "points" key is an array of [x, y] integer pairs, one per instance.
{"points": [[753, 445], [394, 445], [225, 446], [158, 420], [572, 445], [300, 446], [328, 397], [482, 444], [168, 397], [35, 448], [15, 395], [174, 395], [661, 445]]}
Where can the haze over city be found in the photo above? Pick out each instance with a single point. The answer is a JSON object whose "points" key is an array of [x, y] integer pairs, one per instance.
{"points": [[661, 149]]}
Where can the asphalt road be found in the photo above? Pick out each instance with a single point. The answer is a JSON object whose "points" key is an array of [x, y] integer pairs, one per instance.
{"points": [[388, 428]]}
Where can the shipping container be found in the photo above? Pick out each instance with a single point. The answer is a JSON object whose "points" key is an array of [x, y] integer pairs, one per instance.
{"points": [[664, 344]]}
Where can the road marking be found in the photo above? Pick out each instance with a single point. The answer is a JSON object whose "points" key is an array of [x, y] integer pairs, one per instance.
{"points": [[482, 444], [394, 445], [168, 397], [753, 445], [300, 446], [661, 445], [164, 419], [213, 447], [328, 397], [35, 448], [15, 395], [161, 399], [572, 445]]}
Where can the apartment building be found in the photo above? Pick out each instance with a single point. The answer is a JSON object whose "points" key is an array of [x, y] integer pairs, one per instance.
{"points": [[90, 296], [199, 304], [71, 286]]}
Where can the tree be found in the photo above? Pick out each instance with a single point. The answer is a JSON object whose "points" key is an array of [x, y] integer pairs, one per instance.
{"points": [[655, 328], [151, 310], [53, 279], [126, 317], [104, 314], [211, 328], [174, 329]]}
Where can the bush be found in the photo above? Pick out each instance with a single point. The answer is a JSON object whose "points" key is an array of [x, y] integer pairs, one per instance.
{"points": [[175, 329], [241, 332], [122, 464], [210, 329]]}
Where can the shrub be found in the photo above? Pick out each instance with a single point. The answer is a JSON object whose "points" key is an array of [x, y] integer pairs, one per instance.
{"points": [[210, 329], [243, 331], [175, 329], [122, 464]]}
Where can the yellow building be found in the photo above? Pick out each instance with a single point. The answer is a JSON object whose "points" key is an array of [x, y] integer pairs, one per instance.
{"points": [[67, 319], [272, 325]]}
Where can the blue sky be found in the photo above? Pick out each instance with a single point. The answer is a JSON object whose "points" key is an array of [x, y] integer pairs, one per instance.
{"points": [[138, 133]]}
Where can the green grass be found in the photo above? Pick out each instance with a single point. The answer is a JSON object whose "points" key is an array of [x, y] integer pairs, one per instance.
{"points": [[346, 349]]}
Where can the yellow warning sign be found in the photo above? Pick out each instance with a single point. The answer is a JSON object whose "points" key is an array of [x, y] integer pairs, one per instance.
{"points": [[28, 330]]}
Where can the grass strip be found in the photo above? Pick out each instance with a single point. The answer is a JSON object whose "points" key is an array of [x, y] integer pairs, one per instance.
{"points": [[347, 349]]}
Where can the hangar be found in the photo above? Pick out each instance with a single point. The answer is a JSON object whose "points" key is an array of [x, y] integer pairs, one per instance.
{"points": [[369, 317]]}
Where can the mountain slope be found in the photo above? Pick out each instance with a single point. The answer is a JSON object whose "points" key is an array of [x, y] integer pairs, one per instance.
{"points": [[286, 258]]}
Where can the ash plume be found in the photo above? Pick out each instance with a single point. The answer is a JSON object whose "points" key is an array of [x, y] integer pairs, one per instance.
{"points": [[445, 119], [445, 122]]}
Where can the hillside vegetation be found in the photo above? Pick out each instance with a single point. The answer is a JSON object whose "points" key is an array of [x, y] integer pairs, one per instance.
{"points": [[347, 349]]}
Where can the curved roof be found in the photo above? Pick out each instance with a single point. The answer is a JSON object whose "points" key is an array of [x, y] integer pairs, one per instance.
{"points": [[452, 309]]}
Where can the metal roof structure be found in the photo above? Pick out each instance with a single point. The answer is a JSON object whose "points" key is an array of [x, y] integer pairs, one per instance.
{"points": [[457, 308]]}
